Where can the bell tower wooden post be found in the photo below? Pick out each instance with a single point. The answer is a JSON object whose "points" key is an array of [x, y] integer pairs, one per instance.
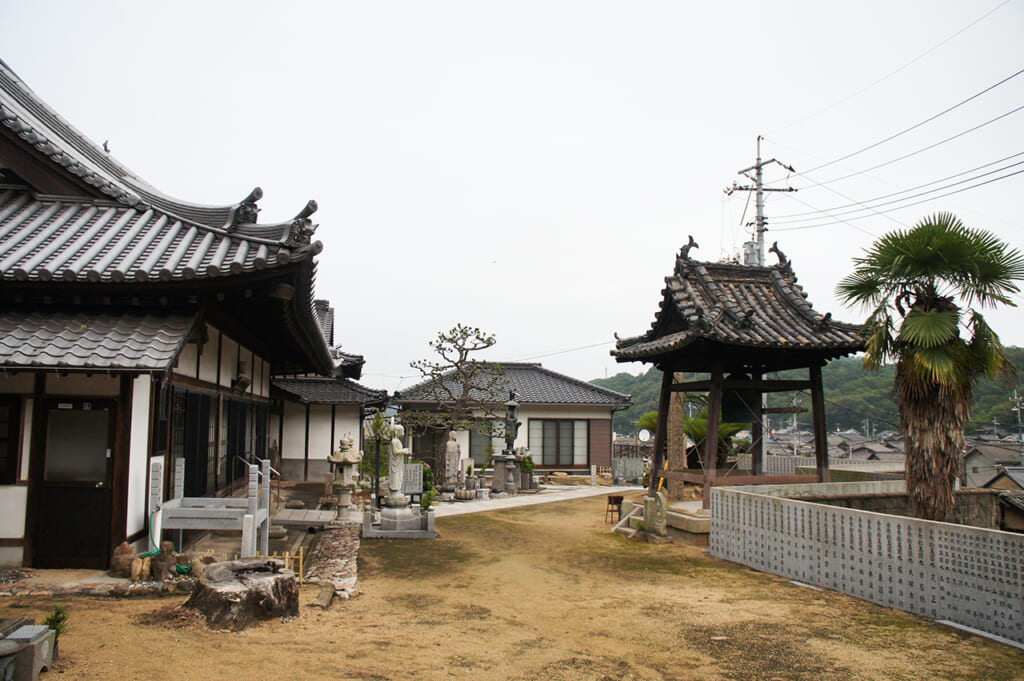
{"points": [[711, 436], [661, 435], [820, 434]]}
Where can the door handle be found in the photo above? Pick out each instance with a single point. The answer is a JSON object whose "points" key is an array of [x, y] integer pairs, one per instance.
{"points": [[99, 484]]}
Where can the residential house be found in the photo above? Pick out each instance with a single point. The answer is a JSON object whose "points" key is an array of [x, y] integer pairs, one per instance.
{"points": [[132, 325], [982, 462], [566, 422]]}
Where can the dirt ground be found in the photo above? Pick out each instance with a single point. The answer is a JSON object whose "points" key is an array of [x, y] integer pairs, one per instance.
{"points": [[543, 592]]}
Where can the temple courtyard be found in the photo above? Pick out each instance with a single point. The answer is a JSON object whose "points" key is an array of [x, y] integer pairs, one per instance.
{"points": [[538, 592]]}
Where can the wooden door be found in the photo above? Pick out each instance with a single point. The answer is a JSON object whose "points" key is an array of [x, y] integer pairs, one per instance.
{"points": [[74, 501]]}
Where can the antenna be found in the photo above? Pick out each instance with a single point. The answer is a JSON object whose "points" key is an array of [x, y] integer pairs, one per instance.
{"points": [[749, 252]]}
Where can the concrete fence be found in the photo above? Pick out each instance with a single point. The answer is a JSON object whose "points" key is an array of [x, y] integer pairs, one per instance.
{"points": [[782, 465], [966, 575]]}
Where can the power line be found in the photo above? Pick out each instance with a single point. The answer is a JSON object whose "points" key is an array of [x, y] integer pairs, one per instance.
{"points": [[893, 73], [814, 183], [917, 125], [563, 352], [907, 205], [878, 202]]}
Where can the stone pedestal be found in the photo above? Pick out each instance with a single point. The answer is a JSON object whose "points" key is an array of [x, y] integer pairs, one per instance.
{"points": [[400, 523], [399, 519], [396, 500]]}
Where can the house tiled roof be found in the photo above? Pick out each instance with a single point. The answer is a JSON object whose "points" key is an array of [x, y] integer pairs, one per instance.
{"points": [[737, 305], [92, 340], [533, 385], [329, 391]]}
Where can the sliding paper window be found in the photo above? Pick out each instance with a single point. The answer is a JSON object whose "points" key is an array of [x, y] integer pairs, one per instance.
{"points": [[561, 442]]}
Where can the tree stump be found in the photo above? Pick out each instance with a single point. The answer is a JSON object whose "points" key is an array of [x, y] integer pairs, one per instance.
{"points": [[233, 594]]}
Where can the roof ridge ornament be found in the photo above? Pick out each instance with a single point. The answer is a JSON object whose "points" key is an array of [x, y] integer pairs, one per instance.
{"points": [[825, 323], [783, 261], [684, 255], [302, 227], [246, 211]]}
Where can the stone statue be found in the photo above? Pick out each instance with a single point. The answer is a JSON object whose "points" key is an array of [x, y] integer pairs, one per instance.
{"points": [[396, 461], [452, 460]]}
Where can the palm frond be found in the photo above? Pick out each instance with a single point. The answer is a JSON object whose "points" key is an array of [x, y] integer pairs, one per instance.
{"points": [[929, 328], [880, 344], [936, 364]]}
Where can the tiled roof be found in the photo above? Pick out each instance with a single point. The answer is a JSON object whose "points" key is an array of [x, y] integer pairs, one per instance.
{"points": [[737, 305], [85, 340], [329, 391], [50, 238], [35, 123], [533, 385], [141, 234]]}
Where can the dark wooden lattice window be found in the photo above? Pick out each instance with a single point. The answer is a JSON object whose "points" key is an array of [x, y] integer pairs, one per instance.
{"points": [[10, 413]]}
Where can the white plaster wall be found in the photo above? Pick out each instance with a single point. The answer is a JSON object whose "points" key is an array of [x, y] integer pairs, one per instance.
{"points": [[346, 422], [186, 365], [96, 385], [320, 446], [294, 436], [262, 377], [27, 405], [228, 360], [13, 500], [208, 358], [11, 556], [20, 382], [138, 445]]}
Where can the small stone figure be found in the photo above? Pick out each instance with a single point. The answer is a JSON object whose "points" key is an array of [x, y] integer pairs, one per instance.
{"points": [[452, 461], [396, 468]]}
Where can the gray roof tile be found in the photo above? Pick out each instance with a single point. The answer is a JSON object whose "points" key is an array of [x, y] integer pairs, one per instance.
{"points": [[84, 340], [50, 238], [329, 391], [533, 385], [737, 305]]}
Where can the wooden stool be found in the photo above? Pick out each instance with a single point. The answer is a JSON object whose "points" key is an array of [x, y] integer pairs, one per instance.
{"points": [[613, 511]]}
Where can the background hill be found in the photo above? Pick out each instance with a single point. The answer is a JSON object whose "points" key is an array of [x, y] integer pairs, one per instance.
{"points": [[853, 395]]}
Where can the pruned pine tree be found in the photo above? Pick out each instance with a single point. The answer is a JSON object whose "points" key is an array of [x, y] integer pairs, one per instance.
{"points": [[465, 393], [922, 286]]}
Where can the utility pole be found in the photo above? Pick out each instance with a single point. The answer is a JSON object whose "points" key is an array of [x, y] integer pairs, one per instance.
{"points": [[753, 252], [1017, 399]]}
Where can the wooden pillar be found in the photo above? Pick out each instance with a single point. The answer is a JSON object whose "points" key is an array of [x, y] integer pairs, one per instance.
{"points": [[756, 448], [661, 436], [820, 434], [757, 429], [305, 453], [711, 437]]}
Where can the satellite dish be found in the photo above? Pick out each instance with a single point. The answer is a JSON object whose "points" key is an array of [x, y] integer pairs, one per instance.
{"points": [[644, 435]]}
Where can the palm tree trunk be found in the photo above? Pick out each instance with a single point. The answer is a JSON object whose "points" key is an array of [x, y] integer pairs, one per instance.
{"points": [[932, 418]]}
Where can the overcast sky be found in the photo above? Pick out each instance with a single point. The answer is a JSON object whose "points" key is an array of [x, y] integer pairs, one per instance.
{"points": [[532, 168]]}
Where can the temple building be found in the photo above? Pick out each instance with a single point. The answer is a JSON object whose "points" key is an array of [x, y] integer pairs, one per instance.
{"points": [[132, 325]]}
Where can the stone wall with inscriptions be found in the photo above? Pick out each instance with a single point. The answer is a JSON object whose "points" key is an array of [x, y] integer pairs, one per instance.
{"points": [[967, 575]]}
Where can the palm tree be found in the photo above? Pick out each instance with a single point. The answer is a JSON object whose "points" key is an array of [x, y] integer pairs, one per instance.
{"points": [[931, 275]]}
